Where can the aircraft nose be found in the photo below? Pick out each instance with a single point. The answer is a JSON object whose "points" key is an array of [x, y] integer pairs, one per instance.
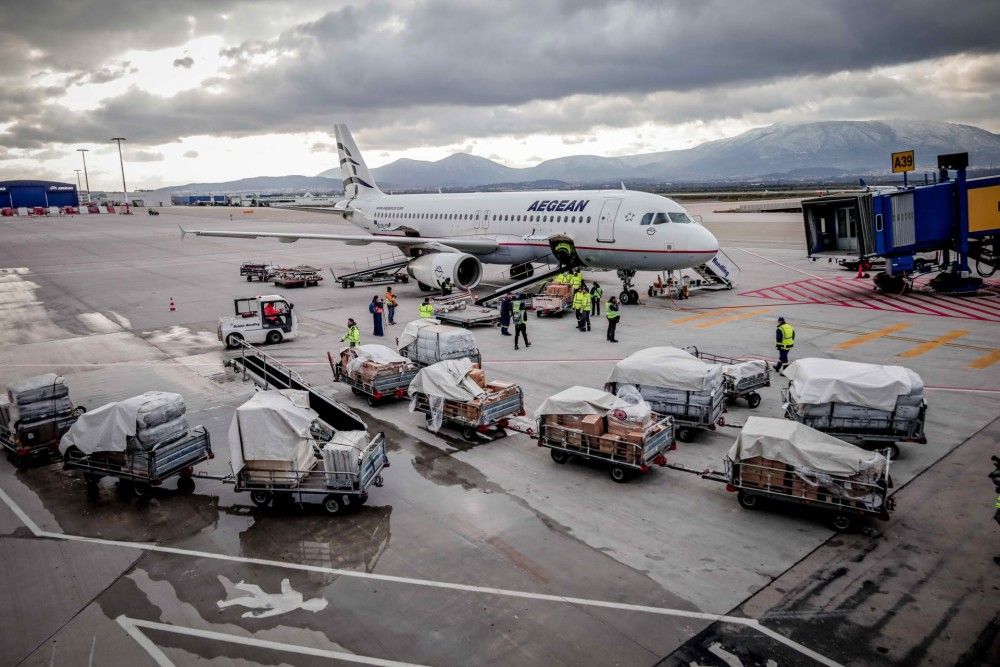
{"points": [[705, 240]]}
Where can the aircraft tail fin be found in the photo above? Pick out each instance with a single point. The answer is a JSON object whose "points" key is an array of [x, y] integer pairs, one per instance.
{"points": [[358, 181]]}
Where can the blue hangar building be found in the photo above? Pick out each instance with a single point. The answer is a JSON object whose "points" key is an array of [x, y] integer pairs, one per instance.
{"points": [[30, 194]]}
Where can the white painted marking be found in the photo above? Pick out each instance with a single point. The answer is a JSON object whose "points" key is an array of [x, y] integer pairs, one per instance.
{"points": [[774, 261], [429, 583], [272, 604], [132, 626], [724, 655]]}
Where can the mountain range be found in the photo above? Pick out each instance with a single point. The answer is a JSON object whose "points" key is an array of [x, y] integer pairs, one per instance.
{"points": [[784, 151]]}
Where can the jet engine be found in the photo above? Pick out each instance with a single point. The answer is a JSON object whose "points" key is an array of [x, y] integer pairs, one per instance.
{"points": [[431, 269]]}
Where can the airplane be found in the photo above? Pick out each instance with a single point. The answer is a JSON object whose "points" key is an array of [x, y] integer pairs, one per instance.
{"points": [[453, 235]]}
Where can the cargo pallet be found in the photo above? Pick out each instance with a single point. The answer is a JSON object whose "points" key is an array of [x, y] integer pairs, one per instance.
{"points": [[141, 470], [296, 276], [378, 390], [489, 424], [745, 388], [258, 270], [624, 459], [756, 485], [336, 492], [869, 433], [37, 441], [469, 316]]}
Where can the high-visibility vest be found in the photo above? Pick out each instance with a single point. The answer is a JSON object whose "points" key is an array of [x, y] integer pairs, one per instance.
{"points": [[581, 301], [560, 279], [613, 313], [787, 336], [520, 315], [353, 334], [563, 246], [576, 279], [390, 299], [596, 294], [998, 502], [426, 310]]}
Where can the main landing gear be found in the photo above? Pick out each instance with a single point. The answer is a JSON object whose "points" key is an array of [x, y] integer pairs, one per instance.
{"points": [[629, 295]]}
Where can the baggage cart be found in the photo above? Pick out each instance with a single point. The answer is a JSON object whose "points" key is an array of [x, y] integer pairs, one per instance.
{"points": [[738, 387], [256, 270], [470, 316], [140, 470], [870, 428], [436, 344], [336, 492], [296, 276], [623, 459], [485, 421], [546, 305], [380, 388], [688, 417], [33, 441]]}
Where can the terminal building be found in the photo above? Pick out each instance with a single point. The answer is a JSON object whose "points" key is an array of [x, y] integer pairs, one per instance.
{"points": [[31, 194]]}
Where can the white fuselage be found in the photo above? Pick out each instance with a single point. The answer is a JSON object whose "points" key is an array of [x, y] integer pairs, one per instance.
{"points": [[605, 226]]}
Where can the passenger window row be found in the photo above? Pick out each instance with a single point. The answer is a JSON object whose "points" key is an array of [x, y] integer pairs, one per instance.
{"points": [[396, 215]]}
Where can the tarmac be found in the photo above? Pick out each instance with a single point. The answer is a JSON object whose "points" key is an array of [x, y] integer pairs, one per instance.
{"points": [[486, 553]]}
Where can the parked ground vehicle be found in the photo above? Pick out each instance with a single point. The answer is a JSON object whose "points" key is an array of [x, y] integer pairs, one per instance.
{"points": [[786, 462], [259, 319], [373, 371], [259, 270], [740, 378], [579, 423], [554, 301]]}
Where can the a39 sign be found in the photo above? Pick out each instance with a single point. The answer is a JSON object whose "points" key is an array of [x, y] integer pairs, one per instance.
{"points": [[902, 161]]}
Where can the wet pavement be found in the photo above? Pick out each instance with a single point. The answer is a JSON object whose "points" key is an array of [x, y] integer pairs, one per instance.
{"points": [[487, 553]]}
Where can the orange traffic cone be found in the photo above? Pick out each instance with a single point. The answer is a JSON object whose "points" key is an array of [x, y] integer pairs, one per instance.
{"points": [[173, 306]]}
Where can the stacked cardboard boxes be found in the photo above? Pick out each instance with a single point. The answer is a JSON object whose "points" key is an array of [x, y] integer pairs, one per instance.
{"points": [[369, 370]]}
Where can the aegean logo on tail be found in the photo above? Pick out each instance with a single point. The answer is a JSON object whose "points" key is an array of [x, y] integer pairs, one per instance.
{"points": [[564, 205]]}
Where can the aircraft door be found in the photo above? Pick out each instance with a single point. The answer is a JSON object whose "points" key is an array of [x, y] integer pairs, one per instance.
{"points": [[606, 221], [486, 220], [477, 224]]}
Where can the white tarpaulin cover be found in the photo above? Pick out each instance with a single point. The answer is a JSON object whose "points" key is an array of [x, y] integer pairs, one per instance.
{"points": [[666, 367], [380, 354], [744, 369], [104, 429], [447, 379], [410, 331], [272, 426], [578, 401], [815, 381], [803, 447]]}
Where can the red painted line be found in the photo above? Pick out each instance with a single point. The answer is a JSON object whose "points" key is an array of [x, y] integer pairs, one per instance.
{"points": [[955, 303], [797, 293], [787, 293], [921, 303]]}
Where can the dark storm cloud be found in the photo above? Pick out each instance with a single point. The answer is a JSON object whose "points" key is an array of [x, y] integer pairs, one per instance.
{"points": [[186, 62], [422, 71], [102, 75]]}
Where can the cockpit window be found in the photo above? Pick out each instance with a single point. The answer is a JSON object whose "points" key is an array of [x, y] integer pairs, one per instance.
{"points": [[660, 218], [680, 217], [646, 219]]}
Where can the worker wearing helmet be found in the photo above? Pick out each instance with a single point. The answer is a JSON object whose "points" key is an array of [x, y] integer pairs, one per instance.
{"points": [[784, 340]]}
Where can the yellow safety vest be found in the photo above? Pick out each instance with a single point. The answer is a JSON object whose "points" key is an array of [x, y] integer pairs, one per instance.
{"points": [[426, 310], [581, 301], [596, 294], [613, 312], [560, 279], [353, 335], [998, 502], [787, 336], [576, 279]]}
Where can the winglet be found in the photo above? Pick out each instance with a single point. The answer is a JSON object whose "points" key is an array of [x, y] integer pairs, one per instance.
{"points": [[183, 231], [623, 185]]}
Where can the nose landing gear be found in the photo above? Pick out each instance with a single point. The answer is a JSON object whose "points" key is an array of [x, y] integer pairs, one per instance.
{"points": [[629, 295]]}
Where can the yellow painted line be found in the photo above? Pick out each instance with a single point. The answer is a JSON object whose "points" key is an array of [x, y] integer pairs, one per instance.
{"points": [[986, 360], [868, 337], [923, 348], [700, 316], [733, 318]]}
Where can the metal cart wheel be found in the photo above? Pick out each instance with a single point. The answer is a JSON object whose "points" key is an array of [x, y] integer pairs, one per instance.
{"points": [[538, 313], [91, 478], [233, 340], [372, 401], [842, 522], [261, 498], [619, 474], [469, 433], [357, 392], [249, 278], [753, 400], [142, 491], [332, 506], [559, 456], [685, 434], [893, 451], [350, 284], [273, 337], [747, 501], [362, 499], [78, 410], [185, 484]]}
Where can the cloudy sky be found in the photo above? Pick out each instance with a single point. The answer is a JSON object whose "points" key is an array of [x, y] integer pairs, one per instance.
{"points": [[213, 91]]}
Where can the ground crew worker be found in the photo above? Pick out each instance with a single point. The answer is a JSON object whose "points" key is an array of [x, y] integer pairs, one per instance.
{"points": [[426, 308], [581, 304], [561, 278], [520, 315], [390, 304], [595, 299], [446, 287], [353, 335], [784, 340], [564, 250], [575, 279], [613, 316]]}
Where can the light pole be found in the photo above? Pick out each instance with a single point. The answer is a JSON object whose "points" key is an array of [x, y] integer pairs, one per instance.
{"points": [[78, 186], [121, 162], [86, 178]]}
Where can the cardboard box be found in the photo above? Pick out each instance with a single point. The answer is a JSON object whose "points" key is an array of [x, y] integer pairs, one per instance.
{"points": [[630, 433], [478, 376], [592, 425]]}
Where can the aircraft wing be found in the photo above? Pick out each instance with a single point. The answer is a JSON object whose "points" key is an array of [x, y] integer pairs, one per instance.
{"points": [[470, 244]]}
